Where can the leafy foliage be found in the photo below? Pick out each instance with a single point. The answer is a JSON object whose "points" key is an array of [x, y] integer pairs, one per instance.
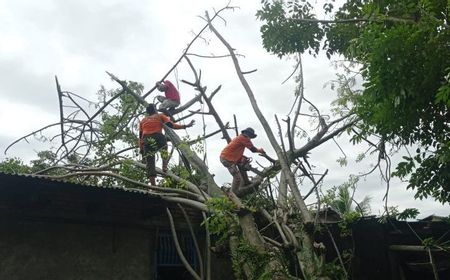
{"points": [[282, 34], [257, 263], [259, 200], [348, 219], [394, 213], [340, 199], [182, 172], [334, 270], [408, 213], [118, 129], [222, 221], [115, 125], [129, 170], [45, 160], [14, 166], [403, 51]]}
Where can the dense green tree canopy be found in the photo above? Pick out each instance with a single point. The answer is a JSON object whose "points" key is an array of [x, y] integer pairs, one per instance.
{"points": [[403, 49]]}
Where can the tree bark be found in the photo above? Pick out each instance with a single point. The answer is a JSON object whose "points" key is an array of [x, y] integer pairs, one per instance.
{"points": [[307, 252]]}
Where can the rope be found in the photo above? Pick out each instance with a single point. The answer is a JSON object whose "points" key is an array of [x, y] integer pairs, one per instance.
{"points": [[205, 146]]}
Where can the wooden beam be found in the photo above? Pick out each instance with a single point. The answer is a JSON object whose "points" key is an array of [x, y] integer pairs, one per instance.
{"points": [[412, 248]]}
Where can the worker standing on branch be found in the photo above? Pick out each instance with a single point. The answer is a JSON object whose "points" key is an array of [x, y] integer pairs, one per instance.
{"points": [[171, 100], [152, 140], [232, 155]]}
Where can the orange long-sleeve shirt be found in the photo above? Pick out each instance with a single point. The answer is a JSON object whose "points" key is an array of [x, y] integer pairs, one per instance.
{"points": [[154, 124], [235, 149]]}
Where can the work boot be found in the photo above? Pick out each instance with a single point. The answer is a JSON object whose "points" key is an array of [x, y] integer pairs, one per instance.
{"points": [[152, 181]]}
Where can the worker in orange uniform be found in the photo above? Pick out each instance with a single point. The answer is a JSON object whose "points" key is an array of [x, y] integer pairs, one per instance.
{"points": [[232, 155], [152, 140]]}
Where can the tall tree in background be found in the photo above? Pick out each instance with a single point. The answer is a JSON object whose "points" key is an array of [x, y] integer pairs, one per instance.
{"points": [[402, 50], [341, 199]]}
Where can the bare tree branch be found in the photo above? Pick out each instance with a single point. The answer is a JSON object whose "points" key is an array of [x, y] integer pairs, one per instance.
{"points": [[177, 246]]}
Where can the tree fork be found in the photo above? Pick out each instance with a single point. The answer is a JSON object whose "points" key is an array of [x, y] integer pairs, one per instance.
{"points": [[306, 262]]}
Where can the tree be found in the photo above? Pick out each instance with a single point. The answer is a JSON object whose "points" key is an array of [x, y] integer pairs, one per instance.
{"points": [[14, 166], [402, 50], [100, 146], [340, 198]]}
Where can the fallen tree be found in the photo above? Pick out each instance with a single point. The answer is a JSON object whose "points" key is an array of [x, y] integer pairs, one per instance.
{"points": [[100, 147]]}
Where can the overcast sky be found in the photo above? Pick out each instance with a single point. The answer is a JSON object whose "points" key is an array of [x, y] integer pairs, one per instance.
{"points": [[78, 40]]}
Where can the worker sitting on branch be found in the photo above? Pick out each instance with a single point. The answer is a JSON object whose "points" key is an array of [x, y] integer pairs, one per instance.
{"points": [[232, 157], [171, 98], [152, 140]]}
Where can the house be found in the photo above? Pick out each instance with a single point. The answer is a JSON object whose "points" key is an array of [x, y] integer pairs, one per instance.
{"points": [[53, 229], [434, 218], [328, 215], [392, 249]]}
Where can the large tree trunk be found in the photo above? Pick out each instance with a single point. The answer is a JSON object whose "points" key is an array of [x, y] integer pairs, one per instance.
{"points": [[306, 257]]}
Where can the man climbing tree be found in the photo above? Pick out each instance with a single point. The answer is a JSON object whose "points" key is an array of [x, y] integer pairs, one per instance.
{"points": [[171, 98], [232, 157], [151, 139]]}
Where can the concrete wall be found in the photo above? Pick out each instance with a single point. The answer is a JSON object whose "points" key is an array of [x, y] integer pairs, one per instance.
{"points": [[59, 230], [38, 250]]}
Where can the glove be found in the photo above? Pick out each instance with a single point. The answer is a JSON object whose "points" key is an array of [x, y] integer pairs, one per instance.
{"points": [[190, 124], [261, 151]]}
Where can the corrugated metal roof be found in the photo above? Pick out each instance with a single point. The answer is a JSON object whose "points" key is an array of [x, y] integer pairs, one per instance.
{"points": [[67, 181], [36, 196]]}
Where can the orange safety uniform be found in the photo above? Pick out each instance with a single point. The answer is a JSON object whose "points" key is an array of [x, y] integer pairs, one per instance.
{"points": [[154, 124], [234, 151]]}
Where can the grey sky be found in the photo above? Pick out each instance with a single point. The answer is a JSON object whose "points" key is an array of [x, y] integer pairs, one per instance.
{"points": [[140, 40]]}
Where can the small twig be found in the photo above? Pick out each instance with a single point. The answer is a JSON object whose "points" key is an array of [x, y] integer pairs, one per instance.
{"points": [[273, 242], [249, 72], [194, 238], [213, 56], [316, 184], [235, 125], [216, 14], [433, 266], [208, 246], [337, 251]]}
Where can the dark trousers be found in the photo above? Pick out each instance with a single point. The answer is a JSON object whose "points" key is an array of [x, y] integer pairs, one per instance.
{"points": [[152, 144]]}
